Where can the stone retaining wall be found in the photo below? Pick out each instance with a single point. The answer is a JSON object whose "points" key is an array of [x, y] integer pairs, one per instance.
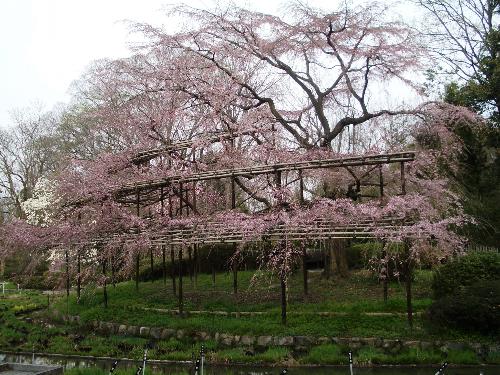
{"points": [[295, 343]]}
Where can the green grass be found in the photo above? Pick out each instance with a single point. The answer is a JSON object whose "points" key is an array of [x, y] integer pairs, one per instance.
{"points": [[239, 355], [358, 293], [349, 298], [326, 354]]}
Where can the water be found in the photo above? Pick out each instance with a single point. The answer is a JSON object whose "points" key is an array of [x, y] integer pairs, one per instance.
{"points": [[167, 369]]}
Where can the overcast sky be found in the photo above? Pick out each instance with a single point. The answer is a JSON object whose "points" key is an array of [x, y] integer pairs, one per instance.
{"points": [[47, 44]]}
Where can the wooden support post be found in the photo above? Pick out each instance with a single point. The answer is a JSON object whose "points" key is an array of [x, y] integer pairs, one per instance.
{"points": [[181, 307], [172, 253], [233, 193], [235, 260], [113, 280], [187, 201], [137, 272], [213, 275], [172, 269], [194, 196], [78, 277], [304, 249], [137, 259], [381, 180], [152, 264], [301, 188], [170, 208], [235, 275], [163, 255], [277, 177], [190, 264], [403, 179], [181, 192], [304, 269], [104, 287], [212, 264], [67, 273], [283, 299], [409, 274], [385, 280], [164, 264], [196, 264]]}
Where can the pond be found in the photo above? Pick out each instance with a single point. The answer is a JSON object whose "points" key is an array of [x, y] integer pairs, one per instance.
{"points": [[171, 369]]}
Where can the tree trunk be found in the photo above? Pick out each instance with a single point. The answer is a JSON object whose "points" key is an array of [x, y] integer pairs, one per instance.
{"points": [[336, 250], [327, 261]]}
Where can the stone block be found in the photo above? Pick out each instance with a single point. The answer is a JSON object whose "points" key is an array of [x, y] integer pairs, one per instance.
{"points": [[133, 330], [180, 334], [285, 341], [226, 340], [155, 333], [264, 341], [370, 341], [323, 340], [122, 329], [202, 336], [247, 340], [167, 333], [144, 331], [411, 344], [305, 341]]}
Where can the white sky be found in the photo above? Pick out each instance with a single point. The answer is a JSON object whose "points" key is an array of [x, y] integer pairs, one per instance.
{"points": [[47, 44]]}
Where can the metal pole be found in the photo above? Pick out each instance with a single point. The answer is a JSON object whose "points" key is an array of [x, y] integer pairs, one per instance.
{"points": [[442, 368], [144, 361], [202, 358], [113, 367], [350, 363], [197, 367]]}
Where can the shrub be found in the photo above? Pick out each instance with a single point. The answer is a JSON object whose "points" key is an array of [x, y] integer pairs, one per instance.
{"points": [[475, 308], [465, 271]]}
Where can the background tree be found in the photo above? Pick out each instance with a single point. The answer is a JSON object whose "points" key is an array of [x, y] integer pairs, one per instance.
{"points": [[465, 38], [28, 151]]}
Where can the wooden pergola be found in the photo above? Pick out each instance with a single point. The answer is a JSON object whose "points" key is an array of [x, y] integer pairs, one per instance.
{"points": [[148, 192]]}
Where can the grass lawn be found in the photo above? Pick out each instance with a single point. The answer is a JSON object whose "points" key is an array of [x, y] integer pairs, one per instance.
{"points": [[260, 292], [351, 299]]}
